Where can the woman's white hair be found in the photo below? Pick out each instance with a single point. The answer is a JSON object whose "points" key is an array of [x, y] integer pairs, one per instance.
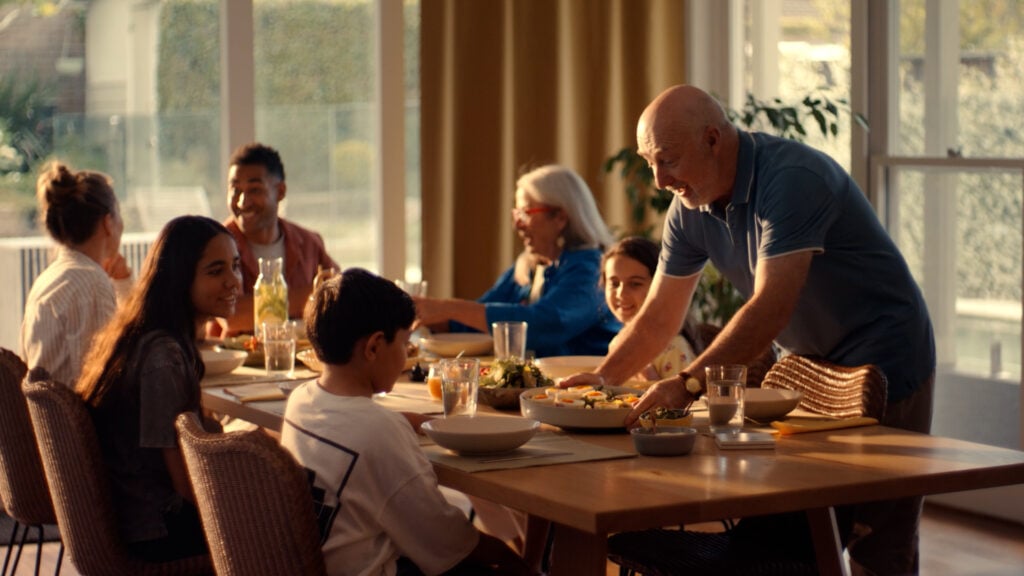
{"points": [[563, 188]]}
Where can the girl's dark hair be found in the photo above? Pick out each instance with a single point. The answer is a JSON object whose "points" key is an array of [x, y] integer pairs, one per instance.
{"points": [[638, 248], [354, 304], [72, 204], [161, 300]]}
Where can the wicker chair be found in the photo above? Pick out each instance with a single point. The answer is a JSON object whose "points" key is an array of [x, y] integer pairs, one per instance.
{"points": [[22, 481], [828, 389], [80, 488], [255, 502]]}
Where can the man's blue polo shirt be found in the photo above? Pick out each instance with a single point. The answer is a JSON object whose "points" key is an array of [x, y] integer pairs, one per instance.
{"points": [[860, 304]]}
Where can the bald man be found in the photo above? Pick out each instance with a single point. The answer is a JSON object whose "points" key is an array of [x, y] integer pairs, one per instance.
{"points": [[794, 233]]}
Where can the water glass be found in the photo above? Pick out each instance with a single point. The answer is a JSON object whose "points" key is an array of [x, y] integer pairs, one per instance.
{"points": [[509, 340], [460, 379], [413, 288], [725, 392], [279, 348]]}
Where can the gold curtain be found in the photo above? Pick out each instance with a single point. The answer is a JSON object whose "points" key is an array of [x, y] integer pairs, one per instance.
{"points": [[508, 85]]}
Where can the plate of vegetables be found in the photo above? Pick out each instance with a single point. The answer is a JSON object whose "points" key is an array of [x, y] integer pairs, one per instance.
{"points": [[504, 380]]}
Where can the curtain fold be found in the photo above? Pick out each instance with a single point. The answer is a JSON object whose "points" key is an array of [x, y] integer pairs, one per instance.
{"points": [[509, 85]]}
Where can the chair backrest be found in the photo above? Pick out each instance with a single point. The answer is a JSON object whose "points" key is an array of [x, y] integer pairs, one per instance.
{"points": [[830, 389], [23, 489], [254, 500], [79, 485]]}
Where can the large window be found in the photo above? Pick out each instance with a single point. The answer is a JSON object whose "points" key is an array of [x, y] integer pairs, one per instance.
{"points": [[133, 88]]}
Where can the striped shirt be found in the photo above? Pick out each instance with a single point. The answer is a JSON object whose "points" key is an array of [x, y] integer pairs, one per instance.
{"points": [[69, 302]]}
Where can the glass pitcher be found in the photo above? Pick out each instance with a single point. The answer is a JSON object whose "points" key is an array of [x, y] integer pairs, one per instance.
{"points": [[269, 294]]}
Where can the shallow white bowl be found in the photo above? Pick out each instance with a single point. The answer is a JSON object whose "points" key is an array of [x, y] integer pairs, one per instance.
{"points": [[563, 366], [664, 441], [572, 417], [480, 434], [769, 403], [222, 361], [450, 344]]}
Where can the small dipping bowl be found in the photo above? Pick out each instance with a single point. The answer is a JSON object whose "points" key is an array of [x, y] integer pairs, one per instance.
{"points": [[664, 441]]}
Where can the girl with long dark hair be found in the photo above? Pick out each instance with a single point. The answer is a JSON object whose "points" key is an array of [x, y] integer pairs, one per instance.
{"points": [[144, 369]]}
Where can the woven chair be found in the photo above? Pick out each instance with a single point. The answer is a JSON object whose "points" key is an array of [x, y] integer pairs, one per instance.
{"points": [[79, 485], [255, 502], [22, 481], [828, 389]]}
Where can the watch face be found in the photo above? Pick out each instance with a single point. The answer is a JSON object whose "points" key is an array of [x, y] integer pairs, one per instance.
{"points": [[693, 386]]}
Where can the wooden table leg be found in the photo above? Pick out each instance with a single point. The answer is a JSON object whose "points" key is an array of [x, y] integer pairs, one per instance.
{"points": [[578, 553], [827, 547]]}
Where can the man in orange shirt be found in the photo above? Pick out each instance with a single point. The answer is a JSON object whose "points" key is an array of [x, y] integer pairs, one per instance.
{"points": [[256, 185]]}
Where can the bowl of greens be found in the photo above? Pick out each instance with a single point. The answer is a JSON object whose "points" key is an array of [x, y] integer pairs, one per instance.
{"points": [[503, 382]]}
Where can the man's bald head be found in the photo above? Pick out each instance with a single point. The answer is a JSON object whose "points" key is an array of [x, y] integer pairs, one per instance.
{"points": [[677, 114], [686, 138]]}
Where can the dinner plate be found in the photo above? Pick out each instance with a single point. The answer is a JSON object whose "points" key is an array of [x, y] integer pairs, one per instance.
{"points": [[480, 434], [308, 357], [451, 343], [572, 417], [769, 403], [564, 366]]}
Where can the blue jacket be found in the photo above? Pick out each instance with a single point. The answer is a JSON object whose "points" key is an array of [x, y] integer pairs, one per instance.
{"points": [[569, 318]]}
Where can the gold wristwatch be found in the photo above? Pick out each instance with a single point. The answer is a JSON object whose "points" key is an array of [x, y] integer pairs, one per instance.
{"points": [[693, 386]]}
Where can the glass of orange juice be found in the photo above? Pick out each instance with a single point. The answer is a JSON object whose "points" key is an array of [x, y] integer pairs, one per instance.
{"points": [[434, 382]]}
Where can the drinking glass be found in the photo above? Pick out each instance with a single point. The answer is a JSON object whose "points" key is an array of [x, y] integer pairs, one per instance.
{"points": [[509, 340], [413, 288], [725, 391], [460, 379], [279, 348]]}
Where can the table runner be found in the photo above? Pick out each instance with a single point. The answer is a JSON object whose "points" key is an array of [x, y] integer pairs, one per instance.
{"points": [[544, 449]]}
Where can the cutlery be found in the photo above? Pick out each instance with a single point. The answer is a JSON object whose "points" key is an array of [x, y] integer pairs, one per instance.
{"points": [[523, 457]]}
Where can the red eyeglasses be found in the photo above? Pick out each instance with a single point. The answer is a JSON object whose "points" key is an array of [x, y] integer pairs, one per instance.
{"points": [[524, 214]]}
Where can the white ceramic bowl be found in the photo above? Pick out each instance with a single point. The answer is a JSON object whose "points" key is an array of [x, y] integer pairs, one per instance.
{"points": [[664, 441], [769, 403], [451, 343], [562, 366], [480, 434], [572, 417], [222, 361]]}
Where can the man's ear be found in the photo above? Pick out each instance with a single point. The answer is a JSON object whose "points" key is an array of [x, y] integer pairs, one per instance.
{"points": [[282, 190], [712, 136]]}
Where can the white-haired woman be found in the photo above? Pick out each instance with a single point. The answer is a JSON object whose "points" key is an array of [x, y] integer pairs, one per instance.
{"points": [[553, 284]]}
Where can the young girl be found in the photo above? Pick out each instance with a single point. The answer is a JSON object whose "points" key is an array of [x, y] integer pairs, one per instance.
{"points": [[626, 273], [144, 369], [78, 293]]}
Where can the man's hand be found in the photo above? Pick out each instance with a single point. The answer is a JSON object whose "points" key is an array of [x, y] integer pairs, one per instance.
{"points": [[582, 379], [669, 393]]}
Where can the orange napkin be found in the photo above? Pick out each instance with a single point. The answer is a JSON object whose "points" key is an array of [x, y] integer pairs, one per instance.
{"points": [[800, 425]]}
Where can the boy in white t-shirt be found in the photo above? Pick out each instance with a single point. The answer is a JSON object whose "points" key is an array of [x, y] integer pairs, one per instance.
{"points": [[378, 503]]}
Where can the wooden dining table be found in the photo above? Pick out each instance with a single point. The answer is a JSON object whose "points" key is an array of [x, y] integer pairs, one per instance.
{"points": [[811, 472]]}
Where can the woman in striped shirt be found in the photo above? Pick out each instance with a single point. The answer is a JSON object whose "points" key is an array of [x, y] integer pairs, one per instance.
{"points": [[78, 293]]}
